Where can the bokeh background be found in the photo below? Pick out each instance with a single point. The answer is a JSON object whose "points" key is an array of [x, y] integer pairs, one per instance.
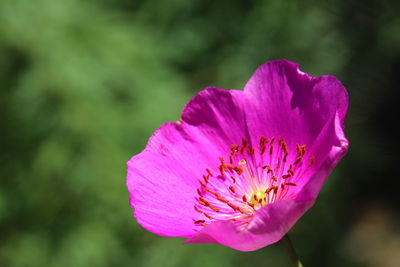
{"points": [[83, 84]]}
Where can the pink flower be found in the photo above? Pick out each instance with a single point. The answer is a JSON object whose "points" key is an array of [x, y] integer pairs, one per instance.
{"points": [[241, 167]]}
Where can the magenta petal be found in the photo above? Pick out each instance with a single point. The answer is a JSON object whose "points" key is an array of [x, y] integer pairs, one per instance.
{"points": [[287, 102], [162, 200], [218, 115], [162, 180], [330, 146], [275, 220]]}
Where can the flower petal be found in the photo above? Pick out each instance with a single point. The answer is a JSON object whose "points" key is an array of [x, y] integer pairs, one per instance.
{"points": [[275, 220], [162, 199], [283, 101], [218, 115], [162, 180], [330, 146]]}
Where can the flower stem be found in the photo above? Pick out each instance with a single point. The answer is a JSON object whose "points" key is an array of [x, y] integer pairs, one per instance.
{"points": [[291, 252]]}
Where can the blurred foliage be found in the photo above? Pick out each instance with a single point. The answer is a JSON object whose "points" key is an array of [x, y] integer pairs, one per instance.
{"points": [[83, 84]]}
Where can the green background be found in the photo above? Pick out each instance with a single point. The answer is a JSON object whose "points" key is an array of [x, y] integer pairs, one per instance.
{"points": [[83, 84]]}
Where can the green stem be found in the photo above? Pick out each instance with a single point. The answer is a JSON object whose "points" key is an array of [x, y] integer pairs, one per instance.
{"points": [[291, 252]]}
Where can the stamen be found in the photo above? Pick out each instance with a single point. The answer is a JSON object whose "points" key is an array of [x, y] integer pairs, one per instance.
{"points": [[238, 170], [262, 149], [229, 166], [290, 170], [279, 164], [199, 192], [214, 209], [212, 192], [197, 209], [208, 216], [250, 151], [221, 169], [272, 188], [243, 186], [285, 147], [222, 199], [268, 168], [263, 140], [232, 189], [234, 150], [244, 142], [285, 157], [312, 159], [232, 206], [201, 183], [269, 190], [272, 141], [240, 210], [275, 189], [204, 202], [298, 160], [244, 145], [201, 202]]}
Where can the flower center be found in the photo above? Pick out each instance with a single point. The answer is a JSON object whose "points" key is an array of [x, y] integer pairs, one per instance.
{"points": [[250, 178], [257, 196]]}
